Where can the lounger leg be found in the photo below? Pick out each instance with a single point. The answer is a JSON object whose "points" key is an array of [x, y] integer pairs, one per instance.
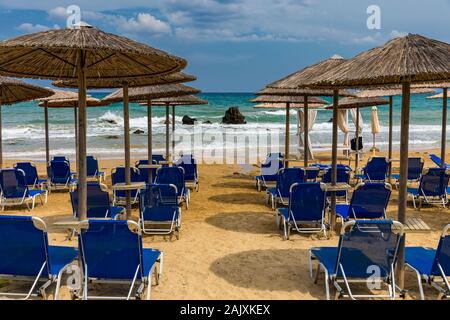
{"points": [[161, 265], [58, 282], [35, 281], [419, 281]]}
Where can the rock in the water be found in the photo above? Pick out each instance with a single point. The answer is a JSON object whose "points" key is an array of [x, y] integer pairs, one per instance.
{"points": [[139, 131], [112, 137], [189, 121], [207, 122], [330, 121], [233, 116]]}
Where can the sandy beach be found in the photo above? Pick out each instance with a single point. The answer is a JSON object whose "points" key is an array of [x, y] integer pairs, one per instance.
{"points": [[230, 247]]}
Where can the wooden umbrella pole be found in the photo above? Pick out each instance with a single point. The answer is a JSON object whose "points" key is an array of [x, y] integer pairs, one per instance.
{"points": [[306, 131], [357, 140], [391, 123], [47, 139], [75, 113], [167, 132], [334, 156], [286, 141], [126, 127], [82, 181], [149, 140], [404, 149], [173, 130], [444, 127]]}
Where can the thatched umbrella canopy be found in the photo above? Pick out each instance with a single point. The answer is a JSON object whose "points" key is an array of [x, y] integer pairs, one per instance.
{"points": [[178, 77], [300, 92], [287, 100], [14, 91], [187, 100], [390, 92], [148, 94], [83, 53], [412, 59], [282, 106], [65, 100], [357, 103]]}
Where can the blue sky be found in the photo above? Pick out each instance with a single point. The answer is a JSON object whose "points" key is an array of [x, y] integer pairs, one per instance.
{"points": [[239, 45]]}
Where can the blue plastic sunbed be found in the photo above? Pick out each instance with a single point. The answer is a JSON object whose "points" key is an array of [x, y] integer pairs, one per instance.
{"points": [[432, 265], [366, 253], [14, 190], [93, 171], [269, 171], [376, 170], [159, 210], [369, 201], [98, 203], [26, 255], [118, 176], [307, 204], [175, 176], [112, 252], [343, 175], [438, 161], [189, 165], [143, 172], [60, 176], [432, 188], [415, 169], [286, 178], [31, 175]]}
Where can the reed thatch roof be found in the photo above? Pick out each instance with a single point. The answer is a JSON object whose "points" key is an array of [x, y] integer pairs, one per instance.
{"points": [[73, 103], [352, 102], [288, 99], [278, 106], [152, 92], [299, 92], [188, 100], [389, 92], [13, 91], [438, 96], [178, 77], [437, 85], [308, 74], [413, 58], [54, 55]]}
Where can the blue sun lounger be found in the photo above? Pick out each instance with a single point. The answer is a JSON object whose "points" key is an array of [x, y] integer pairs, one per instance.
{"points": [[112, 253], [26, 255], [432, 188], [59, 176], [31, 175], [143, 172], [376, 170], [93, 171], [175, 176], [158, 158], [269, 172], [286, 178], [438, 161], [307, 205], [98, 203], [14, 190], [118, 176], [369, 201], [189, 165], [159, 210], [432, 265], [343, 175], [366, 253], [415, 169]]}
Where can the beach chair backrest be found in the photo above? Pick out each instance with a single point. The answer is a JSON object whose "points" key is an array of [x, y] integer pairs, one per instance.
{"points": [[143, 173], [118, 175], [312, 174], [287, 177], [434, 182], [60, 158], [437, 160], [307, 202], [376, 169], [442, 258], [159, 196], [91, 166], [171, 175], [272, 166], [189, 164], [97, 201], [24, 246], [59, 171], [12, 183], [370, 200], [111, 249], [343, 175], [415, 168], [158, 158], [31, 174], [367, 248], [275, 155]]}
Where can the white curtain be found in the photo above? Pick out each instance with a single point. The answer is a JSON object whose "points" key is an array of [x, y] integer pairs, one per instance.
{"points": [[312, 115], [343, 126], [360, 129]]}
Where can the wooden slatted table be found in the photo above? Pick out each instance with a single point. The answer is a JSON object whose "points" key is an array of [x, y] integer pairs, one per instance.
{"points": [[416, 225], [340, 186], [129, 187]]}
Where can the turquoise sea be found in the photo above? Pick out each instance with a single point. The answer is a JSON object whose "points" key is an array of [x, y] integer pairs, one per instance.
{"points": [[23, 126]]}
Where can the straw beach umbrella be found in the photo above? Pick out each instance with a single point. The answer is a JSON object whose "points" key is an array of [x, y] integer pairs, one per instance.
{"points": [[83, 53], [408, 60], [148, 94], [357, 103], [64, 100], [14, 91], [296, 99]]}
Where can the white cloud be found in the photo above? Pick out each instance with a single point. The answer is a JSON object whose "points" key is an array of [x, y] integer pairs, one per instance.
{"points": [[29, 27], [58, 13], [398, 34]]}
